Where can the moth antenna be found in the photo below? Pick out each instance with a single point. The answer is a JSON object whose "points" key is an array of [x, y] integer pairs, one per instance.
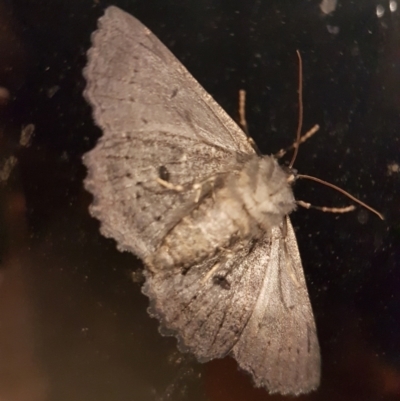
{"points": [[300, 123], [300, 139], [328, 184], [243, 121]]}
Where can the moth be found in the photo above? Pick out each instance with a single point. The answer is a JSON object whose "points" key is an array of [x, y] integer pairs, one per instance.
{"points": [[176, 182]]}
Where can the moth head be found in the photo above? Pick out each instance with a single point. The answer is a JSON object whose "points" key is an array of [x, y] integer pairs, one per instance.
{"points": [[265, 191]]}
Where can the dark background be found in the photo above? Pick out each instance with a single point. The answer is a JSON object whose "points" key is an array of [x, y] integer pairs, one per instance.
{"points": [[73, 321]]}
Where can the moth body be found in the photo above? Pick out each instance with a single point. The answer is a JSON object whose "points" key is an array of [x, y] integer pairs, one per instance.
{"points": [[245, 203]]}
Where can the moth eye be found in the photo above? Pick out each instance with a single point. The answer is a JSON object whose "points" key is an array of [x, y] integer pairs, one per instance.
{"points": [[163, 173]]}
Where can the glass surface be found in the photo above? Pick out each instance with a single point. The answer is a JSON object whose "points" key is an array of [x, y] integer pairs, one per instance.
{"points": [[73, 320]]}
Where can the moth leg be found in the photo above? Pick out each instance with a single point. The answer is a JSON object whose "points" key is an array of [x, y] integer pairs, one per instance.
{"points": [[242, 113], [344, 209], [210, 273], [219, 274], [243, 122], [163, 180], [198, 186], [168, 185], [228, 252], [295, 144], [217, 279]]}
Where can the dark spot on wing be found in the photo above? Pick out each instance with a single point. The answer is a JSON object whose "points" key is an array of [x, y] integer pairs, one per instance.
{"points": [[252, 246], [308, 340], [163, 173], [222, 282], [174, 93]]}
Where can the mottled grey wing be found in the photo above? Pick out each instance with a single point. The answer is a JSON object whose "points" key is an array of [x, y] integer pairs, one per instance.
{"points": [[157, 121], [253, 304], [279, 344]]}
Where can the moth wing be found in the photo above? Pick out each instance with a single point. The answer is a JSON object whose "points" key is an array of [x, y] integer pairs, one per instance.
{"points": [[261, 313], [279, 344], [208, 306], [154, 115]]}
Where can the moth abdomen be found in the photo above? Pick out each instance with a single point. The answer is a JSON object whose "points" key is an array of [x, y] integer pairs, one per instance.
{"points": [[200, 234]]}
